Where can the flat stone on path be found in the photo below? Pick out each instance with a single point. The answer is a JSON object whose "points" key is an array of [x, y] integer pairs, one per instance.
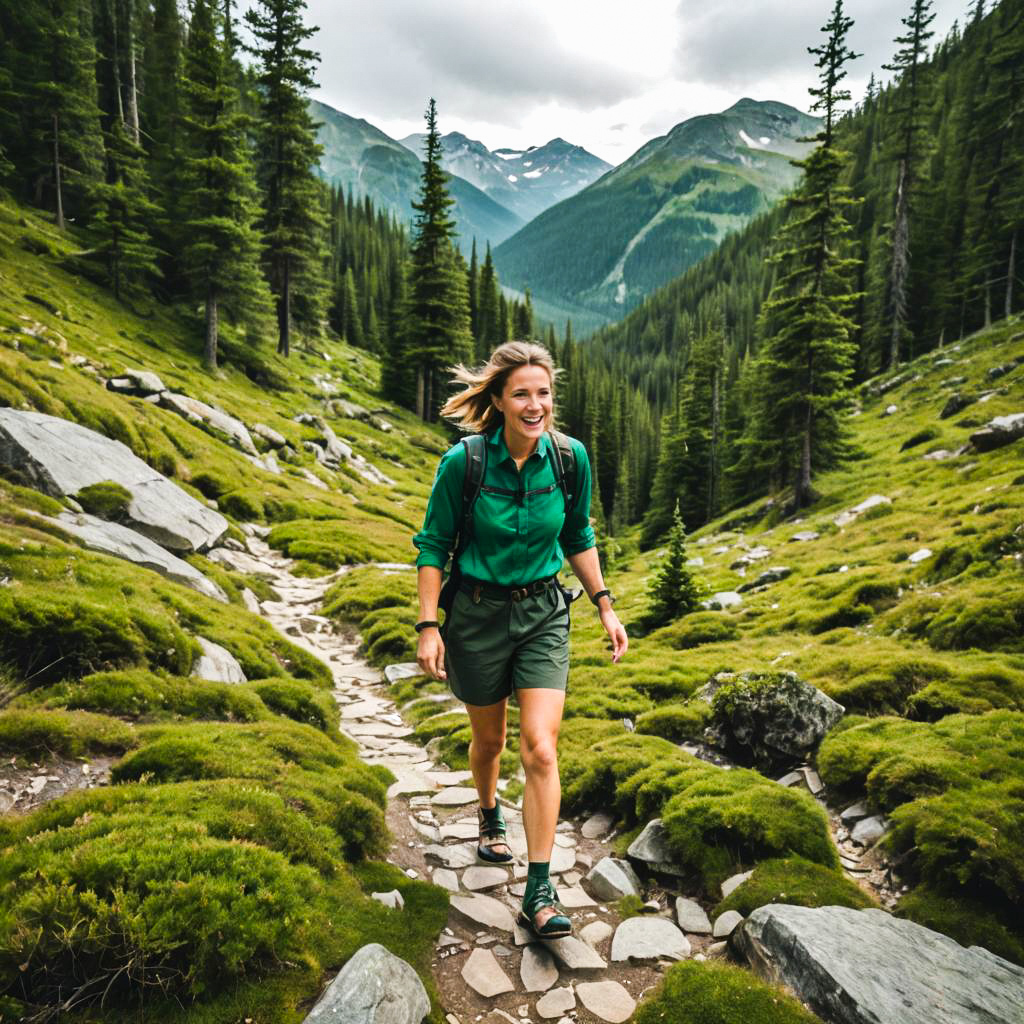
{"points": [[562, 859], [449, 778], [409, 783], [691, 917], [597, 825], [520, 935], [726, 923], [861, 966], [574, 954], [484, 910], [537, 970], [462, 856], [555, 1003], [611, 879], [482, 973], [606, 999], [374, 987], [455, 796], [734, 883], [647, 938], [460, 831], [480, 877], [572, 897], [595, 933], [446, 878], [868, 831]]}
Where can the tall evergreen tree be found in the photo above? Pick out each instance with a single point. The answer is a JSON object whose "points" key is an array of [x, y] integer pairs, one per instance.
{"points": [[218, 206], [909, 64], [293, 219], [807, 357], [488, 334], [438, 311]]}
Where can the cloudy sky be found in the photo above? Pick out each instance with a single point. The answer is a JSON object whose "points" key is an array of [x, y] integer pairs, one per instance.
{"points": [[603, 74]]}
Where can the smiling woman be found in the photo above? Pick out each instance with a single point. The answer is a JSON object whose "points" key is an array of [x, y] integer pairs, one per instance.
{"points": [[511, 502]]}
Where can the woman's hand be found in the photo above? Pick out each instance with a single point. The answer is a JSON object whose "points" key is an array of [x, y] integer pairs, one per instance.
{"points": [[617, 632], [430, 653]]}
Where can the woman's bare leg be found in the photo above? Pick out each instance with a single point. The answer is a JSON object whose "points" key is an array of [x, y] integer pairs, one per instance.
{"points": [[488, 724], [540, 716]]}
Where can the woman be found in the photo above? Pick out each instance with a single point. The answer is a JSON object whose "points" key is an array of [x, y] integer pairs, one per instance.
{"points": [[508, 628]]}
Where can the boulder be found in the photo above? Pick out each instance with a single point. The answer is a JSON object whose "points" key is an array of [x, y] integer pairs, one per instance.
{"points": [[59, 458], [611, 879], [722, 599], [956, 402], [868, 967], [374, 987], [999, 432], [137, 382], [210, 419], [217, 664], [113, 539], [269, 434], [848, 516], [770, 719], [650, 848], [770, 575]]}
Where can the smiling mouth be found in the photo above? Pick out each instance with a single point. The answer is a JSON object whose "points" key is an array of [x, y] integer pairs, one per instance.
{"points": [[532, 422]]}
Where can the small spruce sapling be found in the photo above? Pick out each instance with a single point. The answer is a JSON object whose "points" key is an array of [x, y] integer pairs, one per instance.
{"points": [[673, 591]]}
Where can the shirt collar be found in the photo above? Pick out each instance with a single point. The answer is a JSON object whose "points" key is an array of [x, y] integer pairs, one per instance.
{"points": [[496, 439]]}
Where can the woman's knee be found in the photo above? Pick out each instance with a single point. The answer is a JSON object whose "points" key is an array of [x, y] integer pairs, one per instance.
{"points": [[488, 746], [539, 754]]}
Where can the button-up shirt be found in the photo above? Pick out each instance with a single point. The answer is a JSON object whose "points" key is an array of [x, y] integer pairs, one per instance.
{"points": [[516, 538]]}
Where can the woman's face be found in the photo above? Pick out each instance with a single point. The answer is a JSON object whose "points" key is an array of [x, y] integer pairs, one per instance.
{"points": [[527, 403]]}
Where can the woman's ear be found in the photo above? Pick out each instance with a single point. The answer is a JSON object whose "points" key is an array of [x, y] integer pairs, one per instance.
{"points": [[496, 401]]}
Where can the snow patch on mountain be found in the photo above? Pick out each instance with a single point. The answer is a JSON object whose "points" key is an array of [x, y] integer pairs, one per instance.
{"points": [[748, 141], [512, 177], [534, 174]]}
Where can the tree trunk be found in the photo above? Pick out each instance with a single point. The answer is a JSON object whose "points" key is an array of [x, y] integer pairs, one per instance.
{"points": [[988, 301], [210, 352], [713, 467], [1011, 273], [899, 267], [133, 95], [803, 488], [420, 382], [56, 171], [115, 59], [284, 311], [428, 400]]}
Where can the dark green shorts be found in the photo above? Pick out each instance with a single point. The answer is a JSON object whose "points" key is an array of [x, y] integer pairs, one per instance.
{"points": [[495, 646]]}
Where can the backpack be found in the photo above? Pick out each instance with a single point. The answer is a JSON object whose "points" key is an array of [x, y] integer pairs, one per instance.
{"points": [[564, 465]]}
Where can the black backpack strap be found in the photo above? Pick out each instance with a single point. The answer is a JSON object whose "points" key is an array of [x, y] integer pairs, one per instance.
{"points": [[472, 482], [564, 465]]}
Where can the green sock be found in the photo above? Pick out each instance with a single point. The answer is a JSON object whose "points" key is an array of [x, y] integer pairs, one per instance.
{"points": [[536, 872], [492, 815]]}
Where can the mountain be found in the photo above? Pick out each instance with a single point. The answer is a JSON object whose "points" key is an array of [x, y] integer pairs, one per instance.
{"points": [[525, 181], [664, 209], [359, 156]]}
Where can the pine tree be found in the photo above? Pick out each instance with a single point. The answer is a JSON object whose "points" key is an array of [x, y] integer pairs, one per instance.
{"points": [[807, 357], [673, 591], [488, 335], [219, 245], [293, 221], [908, 64], [437, 327]]}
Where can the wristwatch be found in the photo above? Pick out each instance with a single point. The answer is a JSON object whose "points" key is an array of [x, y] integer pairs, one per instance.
{"points": [[602, 593]]}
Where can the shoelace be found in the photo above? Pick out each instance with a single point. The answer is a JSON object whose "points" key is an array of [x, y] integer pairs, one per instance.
{"points": [[544, 895]]}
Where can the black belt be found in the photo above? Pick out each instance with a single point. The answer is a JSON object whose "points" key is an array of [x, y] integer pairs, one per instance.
{"points": [[478, 588]]}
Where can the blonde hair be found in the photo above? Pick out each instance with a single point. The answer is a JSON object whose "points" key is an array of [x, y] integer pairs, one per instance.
{"points": [[472, 409]]}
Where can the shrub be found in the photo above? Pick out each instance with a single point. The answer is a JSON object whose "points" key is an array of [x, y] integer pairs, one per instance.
{"points": [[299, 701], [108, 500], [708, 993], [796, 881], [241, 505], [67, 733]]}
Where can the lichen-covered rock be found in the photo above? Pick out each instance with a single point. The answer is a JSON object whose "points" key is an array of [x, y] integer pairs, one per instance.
{"points": [[217, 664], [769, 719], [999, 432], [59, 458], [868, 967]]}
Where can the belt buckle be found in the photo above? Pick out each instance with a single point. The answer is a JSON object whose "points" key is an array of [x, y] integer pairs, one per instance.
{"points": [[538, 587], [518, 594]]}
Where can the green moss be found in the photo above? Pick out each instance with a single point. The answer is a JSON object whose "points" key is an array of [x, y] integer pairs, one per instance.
{"points": [[381, 605], [242, 505], [677, 722], [928, 434], [698, 628], [993, 624], [38, 733], [31, 499], [211, 485], [299, 701], [796, 881], [695, 993]]}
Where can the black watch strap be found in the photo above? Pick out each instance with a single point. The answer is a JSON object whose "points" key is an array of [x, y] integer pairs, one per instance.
{"points": [[426, 624], [602, 593]]}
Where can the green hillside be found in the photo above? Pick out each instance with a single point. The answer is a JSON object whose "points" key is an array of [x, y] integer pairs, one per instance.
{"points": [[662, 211]]}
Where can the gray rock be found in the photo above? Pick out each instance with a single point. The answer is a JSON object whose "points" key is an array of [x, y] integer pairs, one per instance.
{"points": [[217, 664], [537, 970], [572, 897], [791, 779], [774, 719], [555, 1003], [611, 879], [401, 670], [374, 987], [574, 954], [251, 601], [460, 856], [691, 917], [647, 938], [772, 574], [480, 877], [484, 910], [113, 539], [392, 899], [650, 848], [868, 831], [722, 599], [270, 435], [606, 999], [562, 859], [596, 932], [482, 973], [137, 382], [956, 403], [717, 948], [734, 882], [868, 967], [446, 878], [805, 535], [725, 924], [999, 432], [854, 813], [59, 458], [455, 796], [241, 561], [847, 517], [919, 555], [209, 418]]}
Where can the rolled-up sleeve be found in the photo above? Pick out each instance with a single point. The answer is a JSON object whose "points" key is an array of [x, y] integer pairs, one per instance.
{"points": [[437, 538], [577, 534]]}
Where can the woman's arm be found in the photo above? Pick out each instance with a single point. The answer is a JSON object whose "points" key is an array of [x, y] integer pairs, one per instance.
{"points": [[587, 567], [430, 646]]}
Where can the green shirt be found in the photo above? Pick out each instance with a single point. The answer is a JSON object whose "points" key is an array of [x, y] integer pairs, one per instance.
{"points": [[516, 538]]}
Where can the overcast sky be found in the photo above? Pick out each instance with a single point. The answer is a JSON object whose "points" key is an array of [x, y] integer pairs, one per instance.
{"points": [[603, 74]]}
